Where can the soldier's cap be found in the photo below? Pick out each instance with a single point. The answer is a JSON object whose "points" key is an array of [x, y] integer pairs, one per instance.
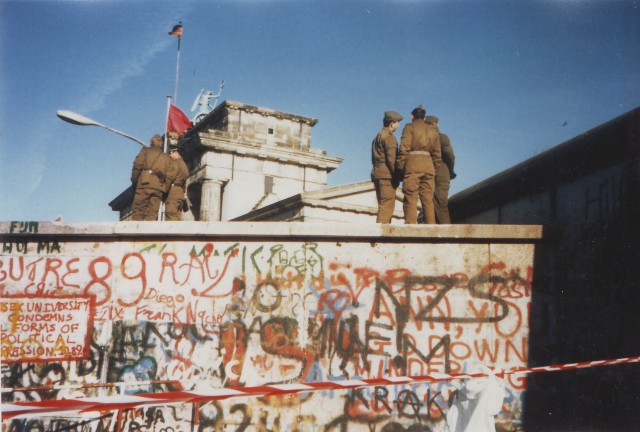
{"points": [[176, 148], [418, 109], [393, 116], [431, 120]]}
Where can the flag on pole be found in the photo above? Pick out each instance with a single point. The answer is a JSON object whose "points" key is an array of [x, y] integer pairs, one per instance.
{"points": [[176, 31], [177, 121]]}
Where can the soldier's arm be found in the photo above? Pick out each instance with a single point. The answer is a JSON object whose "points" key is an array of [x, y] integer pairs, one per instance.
{"points": [[405, 147], [172, 172], [185, 173], [452, 155], [447, 152], [391, 149], [436, 153], [138, 165]]}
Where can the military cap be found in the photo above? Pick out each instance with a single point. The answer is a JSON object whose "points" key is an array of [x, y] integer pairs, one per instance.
{"points": [[393, 116], [419, 110], [177, 148], [431, 119]]}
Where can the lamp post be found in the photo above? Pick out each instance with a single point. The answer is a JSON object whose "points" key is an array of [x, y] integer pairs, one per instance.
{"points": [[80, 120]]}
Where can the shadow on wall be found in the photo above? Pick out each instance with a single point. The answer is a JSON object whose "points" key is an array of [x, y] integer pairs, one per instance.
{"points": [[588, 317], [585, 304]]}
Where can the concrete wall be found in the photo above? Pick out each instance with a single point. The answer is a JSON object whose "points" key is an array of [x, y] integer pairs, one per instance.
{"points": [[198, 306], [586, 304]]}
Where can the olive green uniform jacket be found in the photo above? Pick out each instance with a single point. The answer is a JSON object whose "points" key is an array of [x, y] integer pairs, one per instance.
{"points": [[177, 190], [384, 149], [443, 181], [149, 175], [418, 159]]}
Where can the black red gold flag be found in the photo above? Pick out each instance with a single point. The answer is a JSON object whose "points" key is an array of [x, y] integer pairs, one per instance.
{"points": [[176, 31]]}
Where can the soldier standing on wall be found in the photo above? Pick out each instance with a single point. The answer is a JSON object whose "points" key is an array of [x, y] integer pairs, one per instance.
{"points": [[176, 197], [418, 160], [383, 157], [444, 175], [149, 176]]}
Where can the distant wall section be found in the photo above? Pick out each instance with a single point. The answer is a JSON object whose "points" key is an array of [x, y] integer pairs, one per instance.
{"points": [[586, 304]]}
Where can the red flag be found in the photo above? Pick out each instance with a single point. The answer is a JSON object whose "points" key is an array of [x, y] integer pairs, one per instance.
{"points": [[177, 121], [177, 30]]}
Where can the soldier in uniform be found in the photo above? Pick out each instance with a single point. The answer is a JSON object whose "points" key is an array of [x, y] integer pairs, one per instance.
{"points": [[383, 157], [176, 197], [418, 160], [444, 175], [149, 175]]}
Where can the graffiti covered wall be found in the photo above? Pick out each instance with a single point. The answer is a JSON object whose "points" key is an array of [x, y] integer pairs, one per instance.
{"points": [[128, 310]]}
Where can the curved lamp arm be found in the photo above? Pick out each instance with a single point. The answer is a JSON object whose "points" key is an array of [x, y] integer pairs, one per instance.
{"points": [[80, 120]]}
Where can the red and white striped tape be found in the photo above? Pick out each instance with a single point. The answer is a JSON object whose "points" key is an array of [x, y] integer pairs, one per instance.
{"points": [[119, 402]]}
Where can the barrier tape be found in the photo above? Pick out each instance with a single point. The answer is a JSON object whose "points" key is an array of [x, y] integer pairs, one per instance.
{"points": [[119, 402]]}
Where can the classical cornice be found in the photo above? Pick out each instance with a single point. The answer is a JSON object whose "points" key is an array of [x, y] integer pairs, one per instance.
{"points": [[269, 112], [230, 143]]}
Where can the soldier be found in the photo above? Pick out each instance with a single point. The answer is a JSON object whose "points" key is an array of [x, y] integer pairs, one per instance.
{"points": [[149, 176], [418, 160], [176, 197], [444, 175], [383, 157]]}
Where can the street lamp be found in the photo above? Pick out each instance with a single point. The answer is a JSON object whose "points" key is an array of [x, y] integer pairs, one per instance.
{"points": [[80, 120]]}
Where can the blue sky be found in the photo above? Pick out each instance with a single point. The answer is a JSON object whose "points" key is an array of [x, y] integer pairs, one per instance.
{"points": [[508, 79]]}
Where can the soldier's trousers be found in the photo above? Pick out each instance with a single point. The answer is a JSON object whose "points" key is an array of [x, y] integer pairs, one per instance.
{"points": [[146, 203], [441, 195], [418, 186], [386, 195], [173, 204]]}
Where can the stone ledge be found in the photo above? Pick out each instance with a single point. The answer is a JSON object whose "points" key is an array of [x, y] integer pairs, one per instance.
{"points": [[10, 231]]}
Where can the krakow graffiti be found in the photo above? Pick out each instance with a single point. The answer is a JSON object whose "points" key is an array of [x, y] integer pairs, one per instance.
{"points": [[87, 319]]}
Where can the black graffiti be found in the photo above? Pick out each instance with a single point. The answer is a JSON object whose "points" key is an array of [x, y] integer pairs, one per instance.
{"points": [[473, 287], [95, 361], [397, 427], [138, 419], [207, 415], [24, 227], [131, 342], [38, 375], [211, 419], [18, 247], [98, 424]]}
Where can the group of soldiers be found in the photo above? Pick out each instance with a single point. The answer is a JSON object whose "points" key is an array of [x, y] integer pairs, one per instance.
{"points": [[424, 164], [159, 177]]}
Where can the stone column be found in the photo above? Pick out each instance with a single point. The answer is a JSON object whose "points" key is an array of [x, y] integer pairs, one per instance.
{"points": [[210, 200]]}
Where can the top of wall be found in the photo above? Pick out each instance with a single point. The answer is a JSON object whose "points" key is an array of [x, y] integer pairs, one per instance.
{"points": [[109, 231]]}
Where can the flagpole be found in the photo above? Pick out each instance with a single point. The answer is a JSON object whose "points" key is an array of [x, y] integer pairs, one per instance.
{"points": [[166, 146], [166, 125], [175, 93]]}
